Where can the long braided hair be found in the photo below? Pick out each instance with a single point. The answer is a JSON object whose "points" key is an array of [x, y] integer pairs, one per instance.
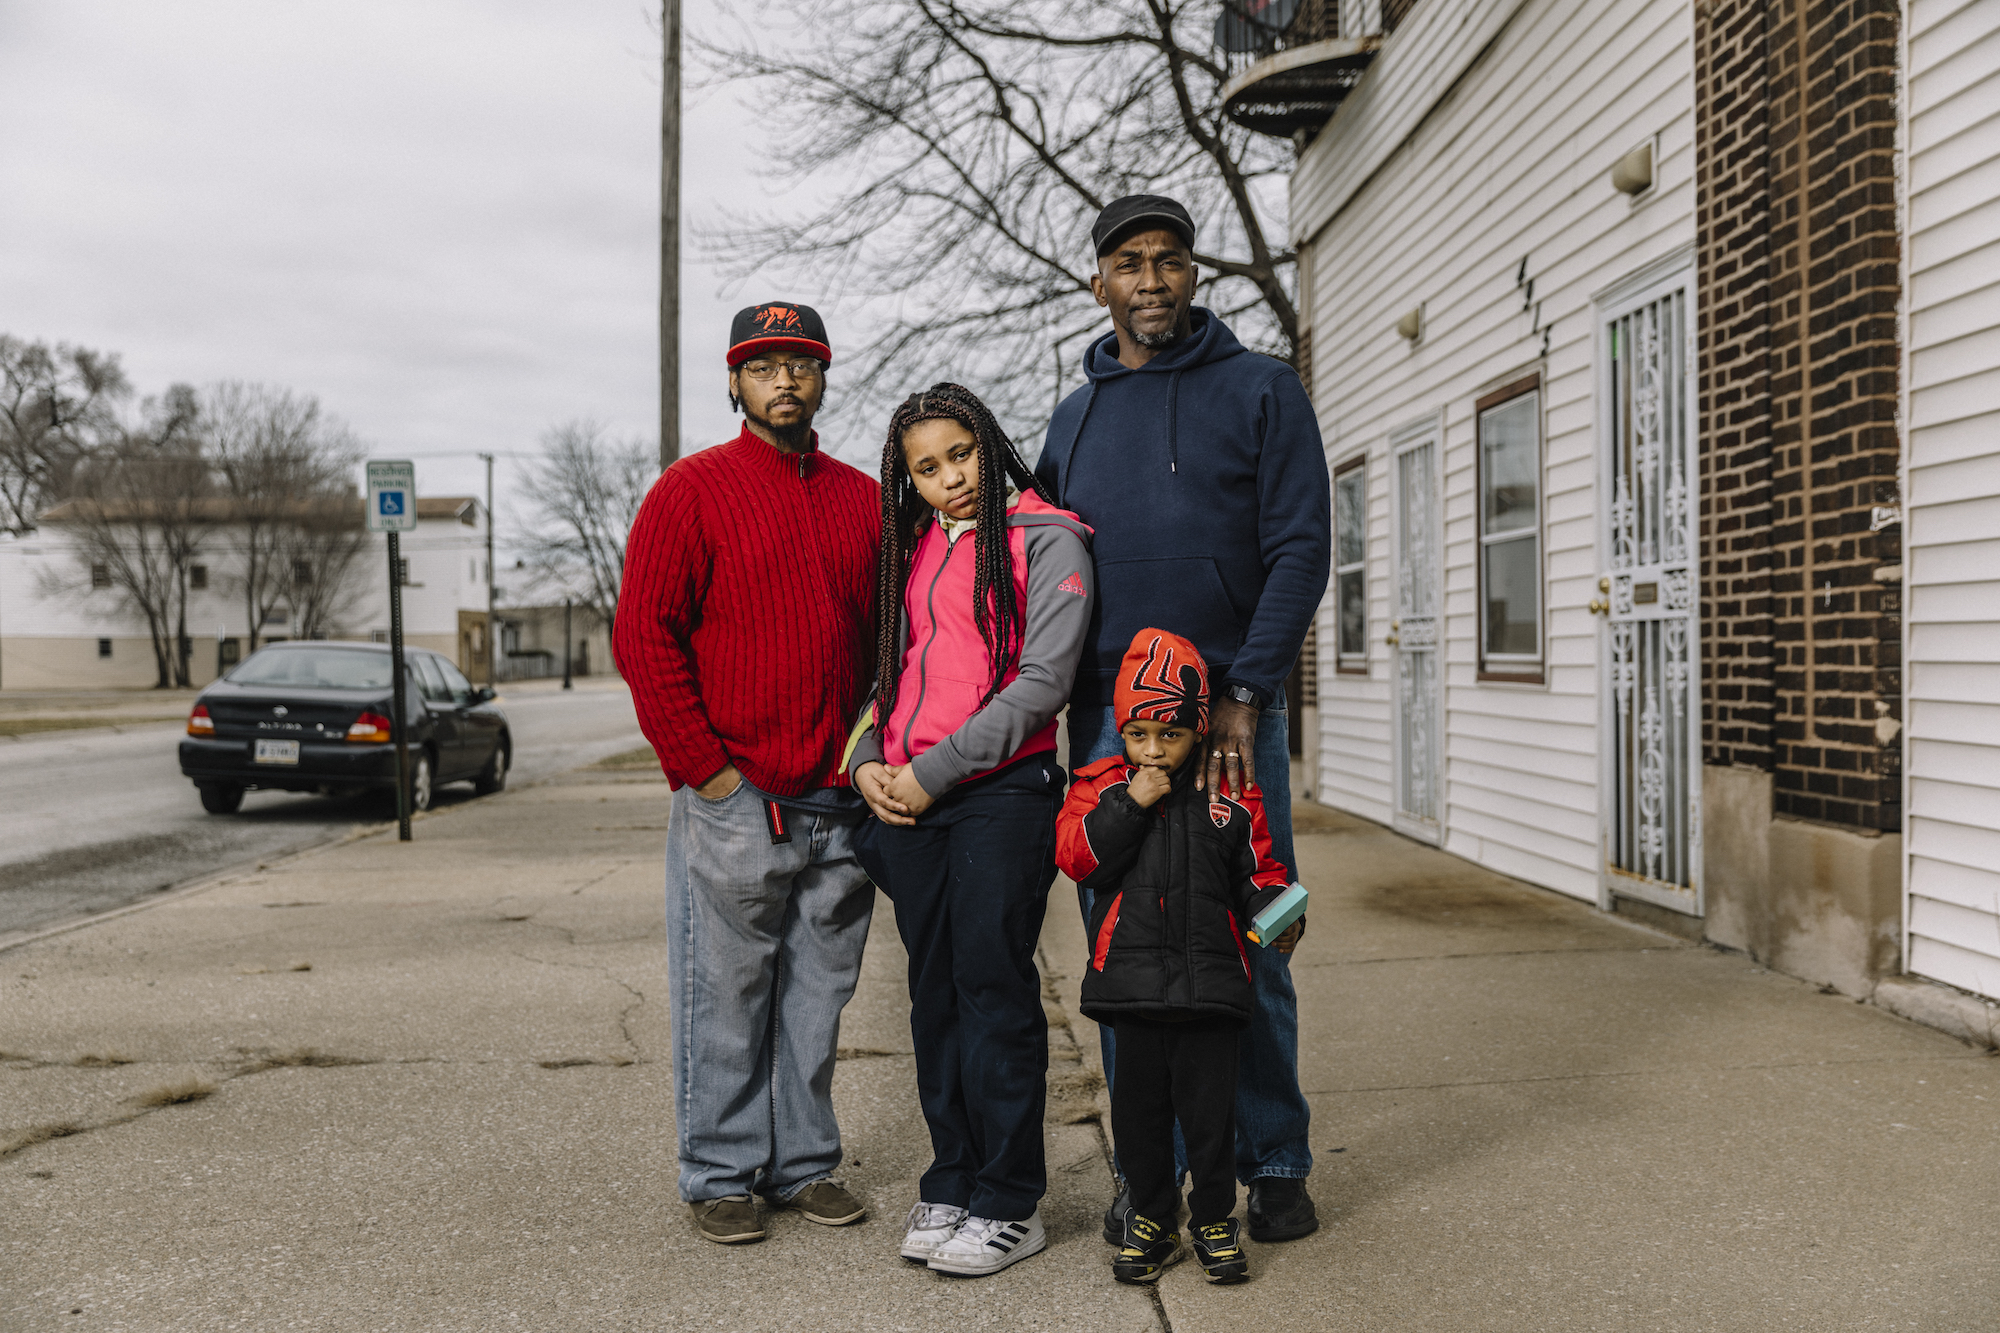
{"points": [[905, 515]]}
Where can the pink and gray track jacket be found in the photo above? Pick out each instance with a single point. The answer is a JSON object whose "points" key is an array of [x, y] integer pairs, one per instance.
{"points": [[939, 727]]}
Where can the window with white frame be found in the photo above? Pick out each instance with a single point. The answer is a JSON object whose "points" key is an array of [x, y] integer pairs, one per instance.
{"points": [[1510, 532], [1350, 563]]}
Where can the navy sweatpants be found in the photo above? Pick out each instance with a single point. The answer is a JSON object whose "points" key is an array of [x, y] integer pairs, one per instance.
{"points": [[970, 883]]}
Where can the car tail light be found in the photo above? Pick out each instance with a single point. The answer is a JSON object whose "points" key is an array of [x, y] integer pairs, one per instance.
{"points": [[200, 723], [369, 727]]}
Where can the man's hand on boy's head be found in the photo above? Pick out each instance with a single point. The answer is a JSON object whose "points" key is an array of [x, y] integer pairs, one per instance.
{"points": [[1148, 784]]}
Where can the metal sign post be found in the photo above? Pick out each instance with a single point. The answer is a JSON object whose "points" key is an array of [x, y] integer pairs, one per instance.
{"points": [[392, 508]]}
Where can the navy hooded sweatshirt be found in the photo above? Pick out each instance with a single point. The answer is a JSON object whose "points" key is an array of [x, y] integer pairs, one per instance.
{"points": [[1203, 474]]}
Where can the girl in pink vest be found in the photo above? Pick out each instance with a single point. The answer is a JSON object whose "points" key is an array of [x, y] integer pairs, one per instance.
{"points": [[985, 598]]}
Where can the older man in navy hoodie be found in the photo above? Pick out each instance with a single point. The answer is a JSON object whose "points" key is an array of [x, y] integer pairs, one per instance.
{"points": [[1199, 464]]}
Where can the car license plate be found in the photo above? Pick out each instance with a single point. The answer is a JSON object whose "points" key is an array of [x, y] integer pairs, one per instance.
{"points": [[277, 752]]}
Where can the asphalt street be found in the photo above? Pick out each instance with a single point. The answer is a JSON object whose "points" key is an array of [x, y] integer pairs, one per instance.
{"points": [[95, 819]]}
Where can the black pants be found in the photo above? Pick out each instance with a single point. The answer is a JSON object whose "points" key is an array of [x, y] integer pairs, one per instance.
{"points": [[1184, 1071], [970, 882]]}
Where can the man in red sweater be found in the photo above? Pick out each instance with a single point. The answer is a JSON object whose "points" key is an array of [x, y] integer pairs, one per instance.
{"points": [[745, 629]]}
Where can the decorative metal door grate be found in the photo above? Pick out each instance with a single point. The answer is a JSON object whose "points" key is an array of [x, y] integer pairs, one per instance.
{"points": [[1415, 635], [1650, 601]]}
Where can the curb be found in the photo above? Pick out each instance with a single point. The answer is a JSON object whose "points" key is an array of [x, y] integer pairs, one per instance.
{"points": [[119, 727], [1952, 1012], [189, 888], [216, 878]]}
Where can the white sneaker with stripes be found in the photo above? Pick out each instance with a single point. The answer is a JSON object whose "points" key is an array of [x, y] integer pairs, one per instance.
{"points": [[929, 1226], [982, 1245]]}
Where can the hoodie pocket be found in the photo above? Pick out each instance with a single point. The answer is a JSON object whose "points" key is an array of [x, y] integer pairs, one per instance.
{"points": [[1184, 594]]}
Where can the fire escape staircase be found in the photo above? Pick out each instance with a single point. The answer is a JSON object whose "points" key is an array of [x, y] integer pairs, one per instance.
{"points": [[1292, 62]]}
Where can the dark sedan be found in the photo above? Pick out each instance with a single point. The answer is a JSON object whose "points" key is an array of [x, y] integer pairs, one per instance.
{"points": [[315, 717]]}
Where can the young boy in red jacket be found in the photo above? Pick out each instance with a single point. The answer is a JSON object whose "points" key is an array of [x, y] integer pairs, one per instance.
{"points": [[1176, 874]]}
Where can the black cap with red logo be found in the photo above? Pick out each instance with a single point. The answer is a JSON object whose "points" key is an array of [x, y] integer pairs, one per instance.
{"points": [[776, 324]]}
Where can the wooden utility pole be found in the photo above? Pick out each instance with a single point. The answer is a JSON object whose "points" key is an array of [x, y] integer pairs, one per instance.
{"points": [[670, 235], [491, 679]]}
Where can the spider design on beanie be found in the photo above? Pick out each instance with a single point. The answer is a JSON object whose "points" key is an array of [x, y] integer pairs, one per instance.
{"points": [[1163, 679]]}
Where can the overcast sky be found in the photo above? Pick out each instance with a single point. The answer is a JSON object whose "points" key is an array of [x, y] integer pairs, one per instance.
{"points": [[440, 217]]}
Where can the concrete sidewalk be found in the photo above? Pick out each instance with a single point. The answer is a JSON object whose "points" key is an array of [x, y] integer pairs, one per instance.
{"points": [[425, 1087]]}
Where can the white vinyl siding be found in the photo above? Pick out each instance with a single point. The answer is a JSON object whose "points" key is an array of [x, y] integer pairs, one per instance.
{"points": [[1356, 767], [1491, 130], [1951, 533]]}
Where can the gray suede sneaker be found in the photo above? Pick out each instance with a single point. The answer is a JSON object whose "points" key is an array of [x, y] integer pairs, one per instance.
{"points": [[828, 1204], [731, 1220]]}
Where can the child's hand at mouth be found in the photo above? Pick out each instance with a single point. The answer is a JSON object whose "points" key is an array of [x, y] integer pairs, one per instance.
{"points": [[1148, 785]]}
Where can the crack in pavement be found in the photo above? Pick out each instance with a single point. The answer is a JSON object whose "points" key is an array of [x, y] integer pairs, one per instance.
{"points": [[1487, 953], [159, 1099], [15, 1142], [1644, 1073], [624, 1015]]}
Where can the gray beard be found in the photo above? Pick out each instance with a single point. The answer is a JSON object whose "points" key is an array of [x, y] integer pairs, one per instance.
{"points": [[1157, 340]]}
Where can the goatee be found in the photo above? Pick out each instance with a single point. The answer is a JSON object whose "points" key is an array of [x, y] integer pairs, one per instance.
{"points": [[1156, 341], [792, 439]]}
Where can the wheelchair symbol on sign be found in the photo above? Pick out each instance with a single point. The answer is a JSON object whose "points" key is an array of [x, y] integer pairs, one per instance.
{"points": [[391, 502]]}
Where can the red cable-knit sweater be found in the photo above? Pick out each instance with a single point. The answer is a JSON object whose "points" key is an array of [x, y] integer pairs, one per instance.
{"points": [[746, 622]]}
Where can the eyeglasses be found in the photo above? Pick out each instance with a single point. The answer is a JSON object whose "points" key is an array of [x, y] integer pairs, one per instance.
{"points": [[801, 368]]}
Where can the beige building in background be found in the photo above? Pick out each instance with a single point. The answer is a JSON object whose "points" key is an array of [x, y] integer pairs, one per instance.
{"points": [[58, 632]]}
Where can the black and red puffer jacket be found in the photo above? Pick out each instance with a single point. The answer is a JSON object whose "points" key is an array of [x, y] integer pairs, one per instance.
{"points": [[1173, 888]]}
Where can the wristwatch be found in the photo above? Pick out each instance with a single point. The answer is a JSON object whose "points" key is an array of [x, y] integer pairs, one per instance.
{"points": [[1243, 694]]}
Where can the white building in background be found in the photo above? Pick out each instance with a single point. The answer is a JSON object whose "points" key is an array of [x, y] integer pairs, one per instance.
{"points": [[1951, 490], [82, 637], [1474, 286], [1662, 407]]}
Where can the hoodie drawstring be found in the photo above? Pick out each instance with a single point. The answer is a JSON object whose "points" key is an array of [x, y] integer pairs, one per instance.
{"points": [[1173, 422]]}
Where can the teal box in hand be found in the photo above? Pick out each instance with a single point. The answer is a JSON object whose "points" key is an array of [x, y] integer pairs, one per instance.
{"points": [[1276, 919]]}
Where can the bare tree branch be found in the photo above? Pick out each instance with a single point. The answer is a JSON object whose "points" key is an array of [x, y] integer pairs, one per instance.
{"points": [[584, 495], [56, 407], [139, 512], [279, 457], [976, 140]]}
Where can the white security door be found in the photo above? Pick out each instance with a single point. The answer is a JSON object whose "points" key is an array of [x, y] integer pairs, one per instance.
{"points": [[1413, 635], [1650, 677]]}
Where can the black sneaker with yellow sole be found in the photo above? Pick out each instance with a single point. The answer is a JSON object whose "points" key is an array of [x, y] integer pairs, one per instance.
{"points": [[1149, 1250], [1219, 1251]]}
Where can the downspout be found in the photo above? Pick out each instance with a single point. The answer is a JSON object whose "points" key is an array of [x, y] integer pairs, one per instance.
{"points": [[1810, 568]]}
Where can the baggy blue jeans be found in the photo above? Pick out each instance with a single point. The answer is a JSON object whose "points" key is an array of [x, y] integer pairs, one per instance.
{"points": [[1272, 1118], [764, 948]]}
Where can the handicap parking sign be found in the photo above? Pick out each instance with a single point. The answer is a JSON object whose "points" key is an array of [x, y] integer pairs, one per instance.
{"points": [[392, 496]]}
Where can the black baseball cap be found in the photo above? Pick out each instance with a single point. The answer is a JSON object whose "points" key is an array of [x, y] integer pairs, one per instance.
{"points": [[774, 324], [1122, 216]]}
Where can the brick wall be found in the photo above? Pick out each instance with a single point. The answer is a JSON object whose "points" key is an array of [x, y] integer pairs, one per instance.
{"points": [[1799, 281], [1733, 332]]}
